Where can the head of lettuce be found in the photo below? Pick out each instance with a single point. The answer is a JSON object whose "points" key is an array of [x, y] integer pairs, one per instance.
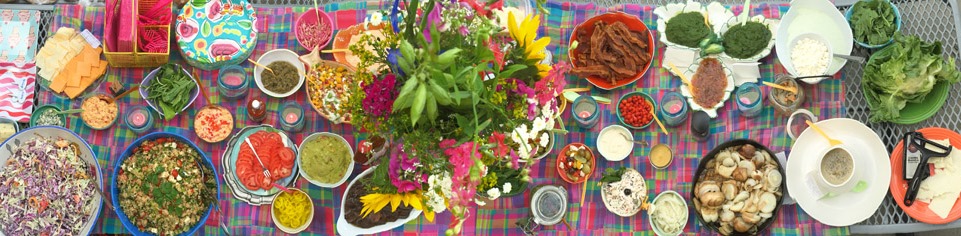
{"points": [[905, 72]]}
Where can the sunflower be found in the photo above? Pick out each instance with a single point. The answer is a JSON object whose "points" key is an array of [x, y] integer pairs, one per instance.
{"points": [[375, 202], [525, 35]]}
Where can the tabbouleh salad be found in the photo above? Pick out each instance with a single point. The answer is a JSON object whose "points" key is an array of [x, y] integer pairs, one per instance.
{"points": [[161, 187]]}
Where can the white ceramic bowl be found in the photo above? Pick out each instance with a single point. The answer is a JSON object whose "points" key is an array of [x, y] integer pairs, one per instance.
{"points": [[815, 37], [86, 153], [279, 55], [686, 91], [848, 183], [350, 167], [652, 209], [605, 150], [310, 217]]}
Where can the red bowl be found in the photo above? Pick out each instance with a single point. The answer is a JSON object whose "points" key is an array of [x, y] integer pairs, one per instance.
{"points": [[562, 157], [310, 17], [634, 24]]}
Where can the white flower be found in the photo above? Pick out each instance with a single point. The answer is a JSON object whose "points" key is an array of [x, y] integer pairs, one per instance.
{"points": [[479, 202], [435, 201], [493, 193], [507, 187], [539, 125], [545, 140], [376, 19]]}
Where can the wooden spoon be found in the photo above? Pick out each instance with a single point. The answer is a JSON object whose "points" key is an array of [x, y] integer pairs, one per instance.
{"points": [[113, 99], [781, 87], [261, 66]]}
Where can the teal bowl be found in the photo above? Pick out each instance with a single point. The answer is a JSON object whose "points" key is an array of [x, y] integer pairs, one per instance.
{"points": [[39, 110], [620, 117], [897, 25]]}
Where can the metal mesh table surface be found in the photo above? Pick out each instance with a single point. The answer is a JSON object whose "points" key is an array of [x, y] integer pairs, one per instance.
{"points": [[929, 19]]}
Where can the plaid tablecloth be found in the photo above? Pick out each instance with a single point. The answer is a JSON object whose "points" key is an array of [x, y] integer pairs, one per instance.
{"points": [[497, 218]]}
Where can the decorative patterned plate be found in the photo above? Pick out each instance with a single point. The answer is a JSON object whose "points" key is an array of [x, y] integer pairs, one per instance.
{"points": [[229, 161], [686, 91]]}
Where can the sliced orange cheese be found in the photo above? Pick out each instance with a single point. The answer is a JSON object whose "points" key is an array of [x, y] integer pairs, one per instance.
{"points": [[80, 72]]}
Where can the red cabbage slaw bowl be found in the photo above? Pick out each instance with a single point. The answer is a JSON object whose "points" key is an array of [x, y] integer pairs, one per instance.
{"points": [[86, 153], [115, 191]]}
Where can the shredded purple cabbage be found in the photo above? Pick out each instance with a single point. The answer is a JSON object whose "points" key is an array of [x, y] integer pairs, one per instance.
{"points": [[46, 189]]}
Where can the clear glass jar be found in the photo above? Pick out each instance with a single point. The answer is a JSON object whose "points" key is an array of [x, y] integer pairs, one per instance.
{"points": [[785, 102], [748, 98], [292, 117], [585, 111], [673, 109], [232, 82]]}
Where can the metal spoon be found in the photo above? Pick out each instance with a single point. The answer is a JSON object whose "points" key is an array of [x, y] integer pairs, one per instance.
{"points": [[213, 200], [850, 58], [814, 76]]}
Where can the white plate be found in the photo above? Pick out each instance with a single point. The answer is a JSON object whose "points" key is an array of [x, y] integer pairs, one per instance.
{"points": [[814, 16], [6, 151], [605, 197], [848, 208], [686, 91], [347, 229]]}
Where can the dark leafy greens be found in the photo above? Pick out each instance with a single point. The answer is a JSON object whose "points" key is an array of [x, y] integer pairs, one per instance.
{"points": [[905, 71], [873, 21], [170, 90]]}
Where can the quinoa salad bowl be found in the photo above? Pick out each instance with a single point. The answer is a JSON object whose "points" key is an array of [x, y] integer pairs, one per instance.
{"points": [[66, 186], [163, 184]]}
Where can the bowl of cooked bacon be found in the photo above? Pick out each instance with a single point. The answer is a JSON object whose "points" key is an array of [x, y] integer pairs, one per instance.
{"points": [[611, 50]]}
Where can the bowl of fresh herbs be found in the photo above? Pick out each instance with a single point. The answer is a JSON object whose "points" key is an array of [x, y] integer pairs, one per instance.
{"points": [[169, 90], [874, 22]]}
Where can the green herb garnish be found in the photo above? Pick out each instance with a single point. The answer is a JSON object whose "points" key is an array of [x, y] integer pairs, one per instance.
{"points": [[687, 29], [283, 78], [170, 90], [873, 21], [746, 40], [612, 175]]}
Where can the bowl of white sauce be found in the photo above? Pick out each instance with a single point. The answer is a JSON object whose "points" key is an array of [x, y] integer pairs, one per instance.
{"points": [[615, 143]]}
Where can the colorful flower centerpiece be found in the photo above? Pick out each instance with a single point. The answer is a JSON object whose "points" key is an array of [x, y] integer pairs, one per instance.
{"points": [[465, 100]]}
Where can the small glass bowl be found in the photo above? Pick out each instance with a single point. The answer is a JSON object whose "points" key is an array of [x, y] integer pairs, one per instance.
{"points": [[233, 91], [785, 109]]}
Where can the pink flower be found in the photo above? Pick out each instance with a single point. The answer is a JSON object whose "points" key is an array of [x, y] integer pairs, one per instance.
{"points": [[552, 85], [380, 96], [502, 150], [403, 171], [463, 159]]}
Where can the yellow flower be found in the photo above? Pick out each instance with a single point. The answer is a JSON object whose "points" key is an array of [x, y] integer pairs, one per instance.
{"points": [[525, 35], [375, 202]]}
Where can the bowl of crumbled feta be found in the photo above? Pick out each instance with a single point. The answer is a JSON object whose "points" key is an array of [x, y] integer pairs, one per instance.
{"points": [[668, 213], [811, 54], [625, 196]]}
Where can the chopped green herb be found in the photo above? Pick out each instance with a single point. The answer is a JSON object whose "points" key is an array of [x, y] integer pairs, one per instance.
{"points": [[687, 29], [746, 40]]}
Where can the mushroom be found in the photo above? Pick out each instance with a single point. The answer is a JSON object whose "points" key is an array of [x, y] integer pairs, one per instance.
{"points": [[747, 151], [729, 188], [741, 226]]}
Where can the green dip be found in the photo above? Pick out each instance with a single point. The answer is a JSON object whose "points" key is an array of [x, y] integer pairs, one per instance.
{"points": [[746, 40], [325, 159], [687, 29]]}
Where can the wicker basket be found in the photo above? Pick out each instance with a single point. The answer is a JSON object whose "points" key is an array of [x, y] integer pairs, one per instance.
{"points": [[138, 58]]}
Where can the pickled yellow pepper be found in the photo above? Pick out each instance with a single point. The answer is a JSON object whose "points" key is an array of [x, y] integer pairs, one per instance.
{"points": [[292, 209]]}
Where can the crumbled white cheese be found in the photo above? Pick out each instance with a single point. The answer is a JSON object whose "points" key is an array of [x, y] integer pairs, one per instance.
{"points": [[810, 57]]}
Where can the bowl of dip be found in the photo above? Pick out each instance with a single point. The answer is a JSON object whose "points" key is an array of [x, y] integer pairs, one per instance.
{"points": [[98, 113], [326, 159], [668, 213], [213, 123], [661, 156], [615, 143], [47, 115], [837, 172], [292, 212], [288, 76]]}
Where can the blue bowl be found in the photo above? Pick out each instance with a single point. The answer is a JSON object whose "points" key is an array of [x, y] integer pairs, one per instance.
{"points": [[114, 191], [897, 23], [631, 94]]}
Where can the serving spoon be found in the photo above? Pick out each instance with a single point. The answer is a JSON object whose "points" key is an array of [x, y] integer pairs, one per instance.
{"points": [[833, 142], [850, 58]]}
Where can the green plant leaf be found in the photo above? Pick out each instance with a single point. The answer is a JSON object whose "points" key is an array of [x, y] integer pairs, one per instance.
{"points": [[431, 108], [205, 29], [417, 107]]}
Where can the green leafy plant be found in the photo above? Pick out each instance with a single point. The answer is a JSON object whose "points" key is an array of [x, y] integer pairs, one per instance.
{"points": [[873, 21], [613, 174]]}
